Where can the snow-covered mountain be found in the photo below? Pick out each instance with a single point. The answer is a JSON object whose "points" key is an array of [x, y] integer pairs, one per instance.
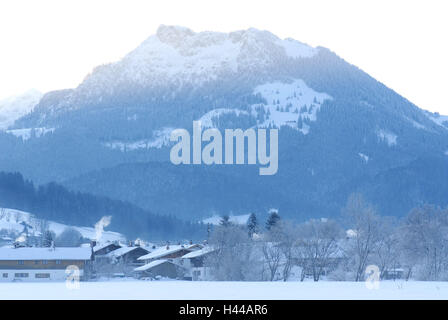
{"points": [[15, 107], [180, 56], [340, 130]]}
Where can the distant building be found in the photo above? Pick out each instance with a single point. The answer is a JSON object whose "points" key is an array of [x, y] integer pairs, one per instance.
{"points": [[103, 249], [160, 268], [165, 261], [112, 259], [393, 274], [194, 263], [127, 255], [43, 264], [170, 252], [6, 241]]}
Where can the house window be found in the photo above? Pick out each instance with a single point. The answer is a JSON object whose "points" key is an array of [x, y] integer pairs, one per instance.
{"points": [[42, 275], [44, 262], [36, 262], [21, 262], [5, 275], [58, 261], [21, 275]]}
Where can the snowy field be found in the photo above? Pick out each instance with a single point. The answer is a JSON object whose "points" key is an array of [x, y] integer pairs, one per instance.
{"points": [[166, 290]]}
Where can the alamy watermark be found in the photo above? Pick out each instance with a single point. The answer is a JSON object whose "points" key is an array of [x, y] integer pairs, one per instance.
{"points": [[212, 152], [373, 277], [73, 277]]}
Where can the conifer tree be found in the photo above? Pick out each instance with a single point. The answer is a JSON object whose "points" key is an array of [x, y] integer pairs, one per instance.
{"points": [[252, 225], [273, 219]]}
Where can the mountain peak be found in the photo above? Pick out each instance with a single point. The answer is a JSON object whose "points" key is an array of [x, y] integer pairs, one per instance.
{"points": [[178, 54], [173, 34]]}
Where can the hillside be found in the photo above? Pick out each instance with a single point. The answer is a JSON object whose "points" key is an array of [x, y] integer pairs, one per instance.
{"points": [[53, 202]]}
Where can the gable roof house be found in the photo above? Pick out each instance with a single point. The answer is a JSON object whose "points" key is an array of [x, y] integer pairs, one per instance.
{"points": [[160, 268], [105, 248], [119, 261], [165, 261], [194, 263], [43, 264], [127, 255]]}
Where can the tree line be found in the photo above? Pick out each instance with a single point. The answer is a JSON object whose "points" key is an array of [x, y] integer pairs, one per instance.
{"points": [[53, 202], [414, 247]]}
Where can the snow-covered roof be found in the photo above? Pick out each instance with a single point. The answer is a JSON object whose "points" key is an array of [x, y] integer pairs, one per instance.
{"points": [[150, 265], [163, 251], [98, 247], [198, 253], [45, 253], [122, 251]]}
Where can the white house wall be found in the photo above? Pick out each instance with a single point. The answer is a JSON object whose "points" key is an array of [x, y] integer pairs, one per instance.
{"points": [[55, 275]]}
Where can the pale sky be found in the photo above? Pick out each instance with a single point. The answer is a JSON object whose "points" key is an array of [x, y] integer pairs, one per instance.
{"points": [[54, 44]]}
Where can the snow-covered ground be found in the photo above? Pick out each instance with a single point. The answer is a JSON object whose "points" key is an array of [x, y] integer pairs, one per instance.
{"points": [[29, 133], [186, 290], [12, 220], [216, 220], [289, 102]]}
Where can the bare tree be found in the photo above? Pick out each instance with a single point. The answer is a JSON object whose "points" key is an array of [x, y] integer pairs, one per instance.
{"points": [[233, 259], [365, 231], [277, 249], [425, 241], [272, 253], [317, 246], [288, 238], [387, 252]]}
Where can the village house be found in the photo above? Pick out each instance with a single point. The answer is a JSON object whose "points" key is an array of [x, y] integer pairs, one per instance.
{"points": [[121, 262], [193, 262], [6, 240], [104, 248], [165, 261], [160, 268], [127, 255], [170, 252], [43, 264]]}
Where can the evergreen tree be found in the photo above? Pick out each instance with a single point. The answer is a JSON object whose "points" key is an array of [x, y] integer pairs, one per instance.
{"points": [[252, 225], [48, 238], [225, 221], [273, 219]]}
